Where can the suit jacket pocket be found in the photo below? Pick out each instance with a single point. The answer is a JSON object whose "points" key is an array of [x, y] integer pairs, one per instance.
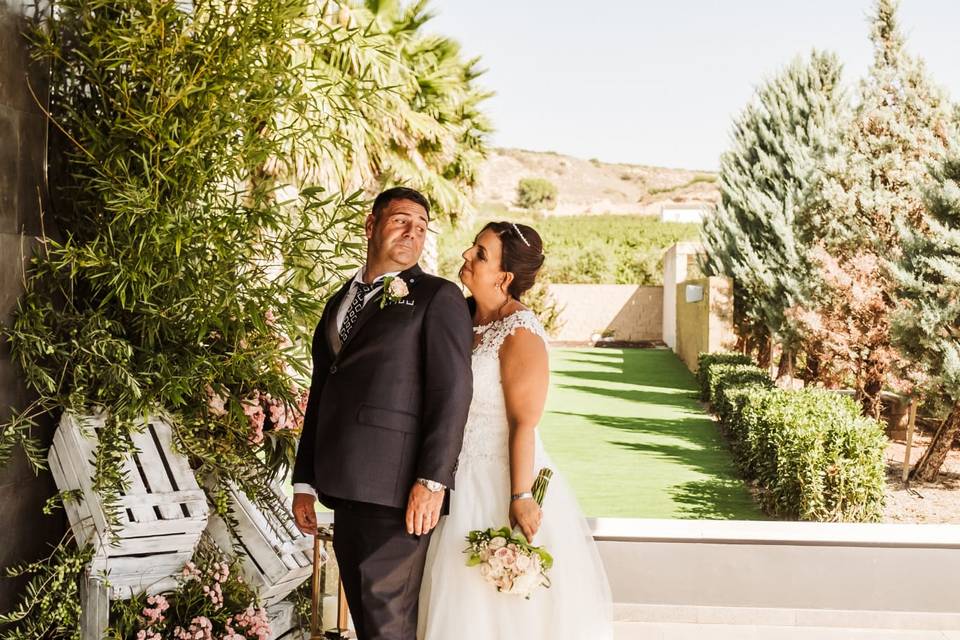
{"points": [[388, 418]]}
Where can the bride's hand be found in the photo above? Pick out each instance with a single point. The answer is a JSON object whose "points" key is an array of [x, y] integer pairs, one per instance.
{"points": [[526, 514]]}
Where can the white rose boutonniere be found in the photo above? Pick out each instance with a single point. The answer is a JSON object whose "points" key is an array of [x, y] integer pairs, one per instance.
{"points": [[394, 290]]}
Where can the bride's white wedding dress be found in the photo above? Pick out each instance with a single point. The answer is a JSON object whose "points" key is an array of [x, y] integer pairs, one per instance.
{"points": [[456, 603]]}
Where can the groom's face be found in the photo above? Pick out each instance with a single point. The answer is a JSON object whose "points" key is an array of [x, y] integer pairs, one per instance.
{"points": [[395, 237]]}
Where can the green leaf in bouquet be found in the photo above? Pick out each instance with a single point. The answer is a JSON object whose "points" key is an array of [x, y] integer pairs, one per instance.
{"points": [[473, 560], [545, 558]]}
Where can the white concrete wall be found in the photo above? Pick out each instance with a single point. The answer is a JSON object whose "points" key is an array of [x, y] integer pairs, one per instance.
{"points": [[836, 574], [674, 272]]}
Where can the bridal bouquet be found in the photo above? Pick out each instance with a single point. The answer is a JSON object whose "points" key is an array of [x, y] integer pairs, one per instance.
{"points": [[506, 558]]}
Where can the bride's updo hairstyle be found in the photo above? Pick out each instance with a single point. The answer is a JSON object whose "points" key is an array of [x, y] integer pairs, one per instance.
{"points": [[522, 254]]}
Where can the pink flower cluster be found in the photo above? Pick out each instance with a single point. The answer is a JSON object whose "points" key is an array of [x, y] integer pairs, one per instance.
{"points": [[200, 629], [154, 611], [262, 406], [253, 409], [252, 621]]}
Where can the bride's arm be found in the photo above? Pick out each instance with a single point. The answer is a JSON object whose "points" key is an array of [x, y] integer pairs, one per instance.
{"points": [[525, 373]]}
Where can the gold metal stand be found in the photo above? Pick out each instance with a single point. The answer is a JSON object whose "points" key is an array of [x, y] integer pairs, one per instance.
{"points": [[343, 612]]}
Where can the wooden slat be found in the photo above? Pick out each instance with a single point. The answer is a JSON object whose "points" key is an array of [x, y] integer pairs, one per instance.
{"points": [[291, 548], [281, 617], [81, 521], [154, 545], [174, 498], [151, 462], [125, 592], [296, 546], [141, 513], [179, 465], [95, 608], [140, 570], [180, 468], [259, 546], [164, 527], [73, 450]]}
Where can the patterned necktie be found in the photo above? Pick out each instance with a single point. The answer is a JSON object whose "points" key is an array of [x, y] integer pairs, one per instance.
{"points": [[354, 311]]}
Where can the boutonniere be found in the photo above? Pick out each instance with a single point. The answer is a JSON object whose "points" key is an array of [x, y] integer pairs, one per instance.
{"points": [[394, 290]]}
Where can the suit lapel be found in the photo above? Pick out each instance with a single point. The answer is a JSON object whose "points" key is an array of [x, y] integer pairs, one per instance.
{"points": [[371, 308]]}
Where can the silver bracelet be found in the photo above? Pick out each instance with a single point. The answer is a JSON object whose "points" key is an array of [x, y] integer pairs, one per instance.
{"points": [[520, 496]]}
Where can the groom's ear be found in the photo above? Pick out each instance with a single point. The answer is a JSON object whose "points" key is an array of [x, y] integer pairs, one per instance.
{"points": [[369, 224]]}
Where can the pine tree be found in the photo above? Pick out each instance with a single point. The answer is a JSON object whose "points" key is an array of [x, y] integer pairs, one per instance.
{"points": [[756, 235], [899, 126], [926, 325]]}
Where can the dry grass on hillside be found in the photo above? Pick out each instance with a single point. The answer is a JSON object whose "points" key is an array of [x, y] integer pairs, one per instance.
{"points": [[591, 186]]}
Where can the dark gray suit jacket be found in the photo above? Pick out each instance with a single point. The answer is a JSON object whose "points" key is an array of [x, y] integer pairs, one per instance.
{"points": [[389, 405]]}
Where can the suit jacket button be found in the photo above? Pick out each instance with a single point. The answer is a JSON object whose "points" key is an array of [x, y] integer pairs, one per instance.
{"points": [[333, 368]]}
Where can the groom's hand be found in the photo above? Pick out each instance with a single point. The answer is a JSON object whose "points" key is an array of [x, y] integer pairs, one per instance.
{"points": [[304, 513], [423, 509]]}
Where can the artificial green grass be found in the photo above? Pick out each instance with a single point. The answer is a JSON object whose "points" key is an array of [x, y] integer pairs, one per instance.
{"points": [[624, 428]]}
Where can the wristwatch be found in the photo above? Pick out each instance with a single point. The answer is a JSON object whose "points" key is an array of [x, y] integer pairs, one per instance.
{"points": [[432, 485]]}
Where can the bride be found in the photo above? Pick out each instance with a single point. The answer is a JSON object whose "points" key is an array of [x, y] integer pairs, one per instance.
{"points": [[497, 465]]}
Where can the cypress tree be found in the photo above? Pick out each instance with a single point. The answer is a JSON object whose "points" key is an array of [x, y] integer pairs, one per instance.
{"points": [[926, 326], [757, 234]]}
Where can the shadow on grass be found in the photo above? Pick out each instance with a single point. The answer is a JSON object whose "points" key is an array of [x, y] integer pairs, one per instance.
{"points": [[715, 499], [694, 444], [682, 398], [649, 367]]}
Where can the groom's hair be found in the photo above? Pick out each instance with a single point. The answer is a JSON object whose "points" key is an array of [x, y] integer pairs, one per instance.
{"points": [[399, 193]]}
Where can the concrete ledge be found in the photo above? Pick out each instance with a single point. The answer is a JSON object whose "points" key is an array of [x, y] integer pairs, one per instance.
{"points": [[783, 573], [925, 536], [769, 616]]}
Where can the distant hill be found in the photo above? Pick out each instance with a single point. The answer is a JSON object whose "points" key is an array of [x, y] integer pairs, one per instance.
{"points": [[592, 186]]}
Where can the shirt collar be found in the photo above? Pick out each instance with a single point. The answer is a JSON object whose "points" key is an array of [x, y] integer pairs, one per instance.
{"points": [[358, 277]]}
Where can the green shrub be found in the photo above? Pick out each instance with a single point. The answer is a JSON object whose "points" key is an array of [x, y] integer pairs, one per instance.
{"points": [[536, 193], [728, 384], [707, 360], [815, 455]]}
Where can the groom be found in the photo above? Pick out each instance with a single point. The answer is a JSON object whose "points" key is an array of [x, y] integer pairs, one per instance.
{"points": [[384, 422]]}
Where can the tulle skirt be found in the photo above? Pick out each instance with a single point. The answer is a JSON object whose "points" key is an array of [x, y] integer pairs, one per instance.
{"points": [[456, 603]]}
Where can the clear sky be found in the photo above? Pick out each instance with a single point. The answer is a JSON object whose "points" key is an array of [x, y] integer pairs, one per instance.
{"points": [[658, 81]]}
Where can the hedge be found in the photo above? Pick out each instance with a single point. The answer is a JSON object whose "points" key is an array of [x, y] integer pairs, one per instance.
{"points": [[812, 453], [707, 360]]}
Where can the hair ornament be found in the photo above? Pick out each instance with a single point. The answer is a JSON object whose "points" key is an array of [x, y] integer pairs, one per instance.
{"points": [[517, 229]]}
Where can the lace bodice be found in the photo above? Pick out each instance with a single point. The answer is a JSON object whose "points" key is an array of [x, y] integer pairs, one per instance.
{"points": [[485, 436]]}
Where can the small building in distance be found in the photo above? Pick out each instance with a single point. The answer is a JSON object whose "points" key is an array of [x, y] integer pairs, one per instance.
{"points": [[684, 212]]}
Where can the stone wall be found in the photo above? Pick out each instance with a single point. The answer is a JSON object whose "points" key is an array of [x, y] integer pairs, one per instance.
{"points": [[616, 312], [26, 534]]}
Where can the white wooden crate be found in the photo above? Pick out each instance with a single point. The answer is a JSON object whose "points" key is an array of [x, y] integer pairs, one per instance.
{"points": [[277, 558], [162, 514]]}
